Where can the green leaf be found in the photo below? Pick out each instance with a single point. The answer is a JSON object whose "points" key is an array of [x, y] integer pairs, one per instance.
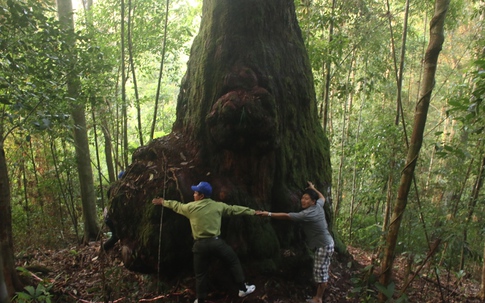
{"points": [[387, 291], [30, 289]]}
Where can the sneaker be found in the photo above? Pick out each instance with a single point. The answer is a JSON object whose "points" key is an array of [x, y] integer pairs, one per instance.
{"points": [[249, 290]]}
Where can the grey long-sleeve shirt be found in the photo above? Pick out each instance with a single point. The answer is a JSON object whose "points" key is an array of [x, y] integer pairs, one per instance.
{"points": [[314, 225]]}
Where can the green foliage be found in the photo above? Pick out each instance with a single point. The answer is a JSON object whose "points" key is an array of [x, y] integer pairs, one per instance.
{"points": [[365, 140], [29, 61], [39, 294], [387, 291], [368, 147], [364, 284], [34, 61], [147, 47]]}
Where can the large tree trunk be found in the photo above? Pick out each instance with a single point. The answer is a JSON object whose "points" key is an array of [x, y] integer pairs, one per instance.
{"points": [[85, 171], [9, 279], [4, 297], [431, 59], [246, 122]]}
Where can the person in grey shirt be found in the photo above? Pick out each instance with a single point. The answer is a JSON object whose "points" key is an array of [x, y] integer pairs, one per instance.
{"points": [[318, 238]]}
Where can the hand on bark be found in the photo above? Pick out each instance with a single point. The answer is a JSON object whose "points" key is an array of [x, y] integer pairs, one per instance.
{"points": [[158, 201], [310, 185]]}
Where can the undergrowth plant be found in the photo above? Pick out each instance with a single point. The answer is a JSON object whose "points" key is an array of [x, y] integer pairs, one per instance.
{"points": [[31, 294]]}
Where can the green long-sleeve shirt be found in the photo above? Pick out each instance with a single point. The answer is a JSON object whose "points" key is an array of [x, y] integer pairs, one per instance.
{"points": [[205, 215]]}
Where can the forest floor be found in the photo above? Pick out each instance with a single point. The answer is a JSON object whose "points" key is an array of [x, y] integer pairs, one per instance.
{"points": [[83, 274]]}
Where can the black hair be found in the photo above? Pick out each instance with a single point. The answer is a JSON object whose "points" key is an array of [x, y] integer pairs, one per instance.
{"points": [[312, 193]]}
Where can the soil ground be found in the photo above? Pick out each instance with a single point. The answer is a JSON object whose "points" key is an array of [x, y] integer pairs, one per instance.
{"points": [[83, 274]]}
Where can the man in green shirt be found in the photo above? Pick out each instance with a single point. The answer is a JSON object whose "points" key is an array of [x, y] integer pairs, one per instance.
{"points": [[205, 217]]}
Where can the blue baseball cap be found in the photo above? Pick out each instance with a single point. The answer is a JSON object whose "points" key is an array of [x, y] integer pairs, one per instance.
{"points": [[203, 188]]}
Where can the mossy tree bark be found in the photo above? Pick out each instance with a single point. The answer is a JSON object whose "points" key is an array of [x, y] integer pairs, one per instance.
{"points": [[247, 123]]}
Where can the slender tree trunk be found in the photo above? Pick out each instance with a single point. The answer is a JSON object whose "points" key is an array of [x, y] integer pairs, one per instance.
{"points": [[131, 11], [87, 8], [108, 152], [343, 142], [431, 59], [399, 79], [472, 204], [456, 198], [397, 71], [40, 198], [341, 164], [98, 161], [386, 214], [308, 7], [116, 132], [160, 74], [86, 182], [99, 110], [354, 173], [124, 105], [25, 192], [430, 168], [63, 189], [47, 140], [328, 75]]}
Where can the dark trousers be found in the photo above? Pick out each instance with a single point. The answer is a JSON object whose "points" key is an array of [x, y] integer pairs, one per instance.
{"points": [[110, 243], [206, 249]]}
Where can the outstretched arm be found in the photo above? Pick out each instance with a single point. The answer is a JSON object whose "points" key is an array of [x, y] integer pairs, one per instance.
{"points": [[311, 186], [236, 210], [176, 206], [283, 216]]}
